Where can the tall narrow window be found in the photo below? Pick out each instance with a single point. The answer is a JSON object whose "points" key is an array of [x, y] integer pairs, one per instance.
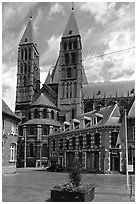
{"points": [[70, 45], [66, 58], [44, 113], [75, 72], [75, 44], [25, 80], [74, 142], [113, 139], [73, 58], [36, 113], [61, 143], [22, 54], [29, 53], [57, 116], [44, 152], [67, 91], [21, 68], [65, 45], [75, 90], [13, 152], [52, 114], [25, 68], [31, 150], [25, 54], [67, 143], [70, 90], [63, 90], [97, 139], [28, 67], [63, 73], [68, 72], [53, 144]]}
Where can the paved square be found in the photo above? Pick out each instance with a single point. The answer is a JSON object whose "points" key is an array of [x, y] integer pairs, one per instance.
{"points": [[33, 185]]}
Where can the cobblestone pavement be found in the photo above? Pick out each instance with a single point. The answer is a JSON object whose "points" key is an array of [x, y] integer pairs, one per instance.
{"points": [[33, 185]]}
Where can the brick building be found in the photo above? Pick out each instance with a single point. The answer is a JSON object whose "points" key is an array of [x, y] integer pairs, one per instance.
{"points": [[9, 139]]}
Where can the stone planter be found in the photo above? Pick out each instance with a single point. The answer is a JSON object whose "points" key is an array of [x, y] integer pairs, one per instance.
{"points": [[70, 196]]}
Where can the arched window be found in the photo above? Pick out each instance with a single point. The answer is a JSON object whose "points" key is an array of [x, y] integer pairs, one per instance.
{"points": [[25, 54], [66, 58], [73, 142], [28, 67], [21, 54], [31, 150], [36, 113], [57, 116], [25, 68], [63, 73], [63, 90], [12, 152], [68, 72], [70, 45], [67, 143], [53, 144], [21, 68], [73, 58], [67, 91], [44, 152], [75, 90], [65, 45], [52, 114], [75, 44], [29, 53], [44, 113], [70, 90], [25, 80], [75, 72]]}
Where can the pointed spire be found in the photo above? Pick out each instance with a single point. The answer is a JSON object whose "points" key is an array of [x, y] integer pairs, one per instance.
{"points": [[48, 79], [71, 28], [28, 36]]}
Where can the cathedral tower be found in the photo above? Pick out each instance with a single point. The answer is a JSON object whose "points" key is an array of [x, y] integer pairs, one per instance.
{"points": [[70, 71], [28, 72]]}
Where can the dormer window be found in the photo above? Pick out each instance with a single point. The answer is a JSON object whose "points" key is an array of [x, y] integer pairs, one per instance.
{"points": [[70, 32], [26, 40]]}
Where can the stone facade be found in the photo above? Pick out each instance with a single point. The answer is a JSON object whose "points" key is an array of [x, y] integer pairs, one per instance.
{"points": [[9, 139]]}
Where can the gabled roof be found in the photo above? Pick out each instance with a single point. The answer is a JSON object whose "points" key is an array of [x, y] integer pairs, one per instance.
{"points": [[6, 110], [28, 36], [43, 100], [113, 89], [71, 28]]}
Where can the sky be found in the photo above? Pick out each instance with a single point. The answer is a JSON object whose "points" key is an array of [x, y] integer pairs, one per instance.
{"points": [[107, 31]]}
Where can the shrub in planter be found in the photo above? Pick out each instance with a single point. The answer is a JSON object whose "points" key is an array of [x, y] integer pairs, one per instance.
{"points": [[73, 191]]}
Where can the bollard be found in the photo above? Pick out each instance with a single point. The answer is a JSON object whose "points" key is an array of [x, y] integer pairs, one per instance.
{"points": [[131, 186]]}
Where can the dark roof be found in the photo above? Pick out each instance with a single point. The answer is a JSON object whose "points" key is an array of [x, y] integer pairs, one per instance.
{"points": [[6, 110], [42, 121], [71, 26], [43, 100], [28, 34], [107, 89]]}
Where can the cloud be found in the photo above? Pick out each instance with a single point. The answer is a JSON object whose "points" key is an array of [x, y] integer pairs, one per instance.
{"points": [[101, 11], [52, 52], [56, 8]]}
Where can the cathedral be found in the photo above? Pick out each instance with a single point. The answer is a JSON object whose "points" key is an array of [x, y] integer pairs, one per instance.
{"points": [[63, 100]]}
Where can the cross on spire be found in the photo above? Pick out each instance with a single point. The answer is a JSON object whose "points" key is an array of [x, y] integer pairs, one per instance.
{"points": [[72, 6]]}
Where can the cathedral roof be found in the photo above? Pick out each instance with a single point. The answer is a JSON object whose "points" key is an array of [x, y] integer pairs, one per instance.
{"points": [[6, 110], [48, 79], [108, 89], [71, 28], [43, 100], [28, 36], [37, 121]]}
